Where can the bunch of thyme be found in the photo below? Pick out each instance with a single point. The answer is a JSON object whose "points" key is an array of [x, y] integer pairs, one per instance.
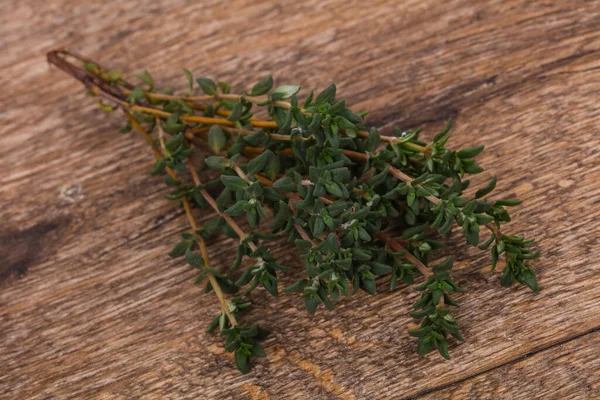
{"points": [[316, 174]]}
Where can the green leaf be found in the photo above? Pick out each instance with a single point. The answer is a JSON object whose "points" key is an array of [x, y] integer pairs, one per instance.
{"points": [[257, 350], [411, 197], [472, 168], [419, 332], [470, 152], [442, 347], [486, 190], [237, 209], [327, 96], [236, 112], [285, 184], [180, 248], [257, 138], [528, 277], [508, 203], [311, 304], [472, 236], [234, 183], [308, 99], [216, 138], [224, 86], [487, 243], [213, 324], [159, 166], [146, 78], [368, 285], [216, 162], [380, 269], [286, 91], [136, 94], [262, 87], [91, 67], [271, 169], [330, 244], [333, 189], [194, 259], [207, 85], [443, 132], [494, 257], [372, 141], [114, 76], [190, 78], [258, 163], [242, 361], [414, 230]]}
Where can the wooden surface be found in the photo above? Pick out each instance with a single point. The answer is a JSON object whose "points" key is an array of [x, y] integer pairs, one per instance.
{"points": [[91, 307]]}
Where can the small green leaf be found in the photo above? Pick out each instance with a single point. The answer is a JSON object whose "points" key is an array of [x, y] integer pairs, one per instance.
{"points": [[146, 78], [234, 183], [216, 138], [285, 184], [372, 141], [271, 169], [236, 112], [327, 96], [486, 190], [443, 348], [216, 162], [380, 269], [262, 87], [419, 332], [470, 152], [528, 277], [159, 166], [242, 361], [194, 259], [91, 67], [237, 209], [333, 189], [257, 350], [508, 203], [208, 86], [224, 86], [180, 248], [308, 99], [494, 257], [311, 304], [190, 78], [443, 132], [136, 94], [258, 163], [286, 91]]}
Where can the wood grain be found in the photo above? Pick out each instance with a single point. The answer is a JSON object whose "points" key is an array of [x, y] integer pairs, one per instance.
{"points": [[569, 370], [90, 306]]}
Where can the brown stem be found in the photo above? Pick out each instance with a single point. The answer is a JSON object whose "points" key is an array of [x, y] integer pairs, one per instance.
{"points": [[245, 177], [186, 205], [211, 201], [58, 58], [394, 245], [213, 281]]}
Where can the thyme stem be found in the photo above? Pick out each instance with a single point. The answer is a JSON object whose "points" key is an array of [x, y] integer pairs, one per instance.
{"points": [[186, 205]]}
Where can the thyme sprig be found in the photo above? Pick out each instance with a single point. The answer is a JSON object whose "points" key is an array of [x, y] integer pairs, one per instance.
{"points": [[315, 173]]}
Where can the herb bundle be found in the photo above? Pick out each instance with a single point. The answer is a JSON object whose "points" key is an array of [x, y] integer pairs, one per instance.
{"points": [[310, 171]]}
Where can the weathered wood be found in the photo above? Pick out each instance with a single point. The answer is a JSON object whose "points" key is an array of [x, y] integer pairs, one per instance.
{"points": [[565, 371], [90, 306]]}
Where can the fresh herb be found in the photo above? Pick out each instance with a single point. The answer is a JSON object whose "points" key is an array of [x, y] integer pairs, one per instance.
{"points": [[313, 172]]}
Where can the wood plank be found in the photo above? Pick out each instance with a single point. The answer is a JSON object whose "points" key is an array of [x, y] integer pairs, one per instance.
{"points": [[89, 303], [566, 371]]}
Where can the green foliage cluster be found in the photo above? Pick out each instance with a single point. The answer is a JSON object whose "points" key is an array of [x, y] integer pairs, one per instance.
{"points": [[319, 177]]}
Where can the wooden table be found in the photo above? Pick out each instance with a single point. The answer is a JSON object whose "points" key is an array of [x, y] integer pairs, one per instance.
{"points": [[91, 307]]}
